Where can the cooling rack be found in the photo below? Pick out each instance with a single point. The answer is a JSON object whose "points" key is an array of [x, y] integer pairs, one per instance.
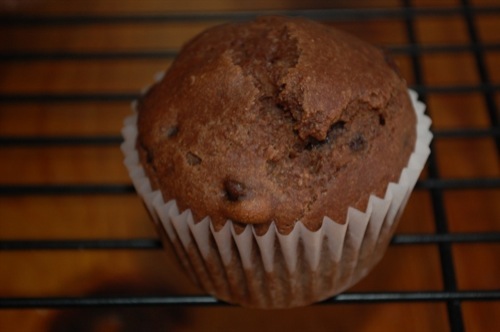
{"points": [[415, 52]]}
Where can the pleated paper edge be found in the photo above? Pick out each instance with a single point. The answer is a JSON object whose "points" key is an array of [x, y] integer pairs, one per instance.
{"points": [[360, 235]]}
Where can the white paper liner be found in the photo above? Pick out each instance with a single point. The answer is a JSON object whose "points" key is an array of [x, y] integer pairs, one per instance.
{"points": [[275, 270]]}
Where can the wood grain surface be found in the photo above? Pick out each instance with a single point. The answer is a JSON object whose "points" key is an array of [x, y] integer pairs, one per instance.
{"points": [[31, 72]]}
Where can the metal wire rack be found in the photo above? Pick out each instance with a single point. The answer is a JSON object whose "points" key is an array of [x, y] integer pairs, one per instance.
{"points": [[443, 239]]}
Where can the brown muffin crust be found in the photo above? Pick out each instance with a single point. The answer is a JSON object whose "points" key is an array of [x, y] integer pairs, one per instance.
{"points": [[278, 119]]}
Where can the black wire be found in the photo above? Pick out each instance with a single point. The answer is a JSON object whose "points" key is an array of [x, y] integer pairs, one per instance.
{"points": [[481, 67], [205, 300], [63, 140], [106, 244], [445, 253], [330, 14], [21, 56], [155, 244], [66, 189], [125, 189], [82, 97], [71, 97], [46, 141]]}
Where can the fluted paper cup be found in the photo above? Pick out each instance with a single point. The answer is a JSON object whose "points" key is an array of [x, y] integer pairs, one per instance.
{"points": [[275, 270]]}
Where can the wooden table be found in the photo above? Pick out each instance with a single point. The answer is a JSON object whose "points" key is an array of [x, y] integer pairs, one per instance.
{"points": [[71, 228]]}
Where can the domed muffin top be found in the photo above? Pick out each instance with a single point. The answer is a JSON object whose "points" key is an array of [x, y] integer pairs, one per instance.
{"points": [[275, 120]]}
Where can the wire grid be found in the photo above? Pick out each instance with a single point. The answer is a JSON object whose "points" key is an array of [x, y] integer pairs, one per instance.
{"points": [[434, 184]]}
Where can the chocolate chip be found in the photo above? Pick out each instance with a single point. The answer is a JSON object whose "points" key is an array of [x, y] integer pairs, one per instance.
{"points": [[171, 131], [149, 157], [336, 129], [381, 120], [147, 152], [357, 143], [193, 159], [235, 190], [312, 143]]}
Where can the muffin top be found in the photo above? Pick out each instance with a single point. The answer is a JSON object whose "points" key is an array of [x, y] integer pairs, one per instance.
{"points": [[275, 120]]}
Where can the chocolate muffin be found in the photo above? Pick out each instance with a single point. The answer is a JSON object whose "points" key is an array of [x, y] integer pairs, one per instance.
{"points": [[286, 130], [279, 120]]}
